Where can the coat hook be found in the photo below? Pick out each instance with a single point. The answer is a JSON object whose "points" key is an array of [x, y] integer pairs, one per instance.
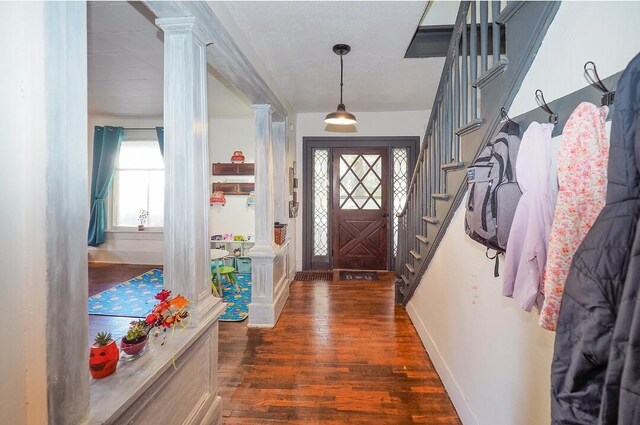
{"points": [[504, 114], [553, 117], [591, 74]]}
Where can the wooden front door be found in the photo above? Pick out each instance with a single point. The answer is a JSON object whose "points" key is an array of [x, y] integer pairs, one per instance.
{"points": [[360, 208]]}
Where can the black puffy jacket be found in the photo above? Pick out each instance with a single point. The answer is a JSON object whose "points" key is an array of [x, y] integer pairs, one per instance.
{"points": [[594, 287], [621, 398]]}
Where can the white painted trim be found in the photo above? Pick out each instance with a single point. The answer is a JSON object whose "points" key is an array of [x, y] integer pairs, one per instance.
{"points": [[209, 412], [451, 385], [117, 256]]}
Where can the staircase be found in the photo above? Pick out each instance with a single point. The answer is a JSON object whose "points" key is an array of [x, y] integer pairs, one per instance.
{"points": [[485, 65]]}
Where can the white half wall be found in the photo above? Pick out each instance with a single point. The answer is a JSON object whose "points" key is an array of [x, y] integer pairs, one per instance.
{"points": [[493, 358], [378, 124]]}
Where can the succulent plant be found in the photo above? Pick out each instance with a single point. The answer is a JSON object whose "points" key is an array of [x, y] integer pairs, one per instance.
{"points": [[103, 338], [137, 331]]}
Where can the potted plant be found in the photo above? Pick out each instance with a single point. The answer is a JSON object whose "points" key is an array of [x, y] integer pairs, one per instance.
{"points": [[103, 356], [143, 216], [136, 338]]}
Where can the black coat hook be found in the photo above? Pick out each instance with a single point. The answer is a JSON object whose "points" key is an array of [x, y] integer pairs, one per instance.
{"points": [[504, 114], [591, 74], [553, 117]]}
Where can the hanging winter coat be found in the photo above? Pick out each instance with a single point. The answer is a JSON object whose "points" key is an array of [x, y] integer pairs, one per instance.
{"points": [[582, 176], [621, 397], [529, 235], [593, 288]]}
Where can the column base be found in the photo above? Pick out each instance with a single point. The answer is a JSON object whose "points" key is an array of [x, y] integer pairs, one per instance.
{"points": [[265, 315]]}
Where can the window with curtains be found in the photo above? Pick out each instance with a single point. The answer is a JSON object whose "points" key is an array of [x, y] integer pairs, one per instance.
{"points": [[138, 184]]}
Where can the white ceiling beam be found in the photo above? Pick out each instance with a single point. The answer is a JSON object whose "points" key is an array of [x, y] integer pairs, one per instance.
{"points": [[224, 55]]}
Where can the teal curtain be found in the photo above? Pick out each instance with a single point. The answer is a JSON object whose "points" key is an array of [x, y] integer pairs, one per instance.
{"points": [[106, 146], [160, 134]]}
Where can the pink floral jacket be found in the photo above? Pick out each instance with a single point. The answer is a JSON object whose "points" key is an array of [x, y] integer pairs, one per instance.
{"points": [[582, 179]]}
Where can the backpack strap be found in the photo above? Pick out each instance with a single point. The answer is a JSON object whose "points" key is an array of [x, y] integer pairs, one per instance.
{"points": [[496, 256]]}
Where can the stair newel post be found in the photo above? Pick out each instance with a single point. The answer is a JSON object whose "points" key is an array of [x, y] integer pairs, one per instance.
{"points": [[473, 61], [484, 35], [495, 33]]}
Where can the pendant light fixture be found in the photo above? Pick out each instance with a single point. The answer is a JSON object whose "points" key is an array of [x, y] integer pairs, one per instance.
{"points": [[341, 116]]}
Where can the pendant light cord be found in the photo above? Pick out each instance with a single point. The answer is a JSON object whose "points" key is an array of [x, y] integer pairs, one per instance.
{"points": [[341, 66]]}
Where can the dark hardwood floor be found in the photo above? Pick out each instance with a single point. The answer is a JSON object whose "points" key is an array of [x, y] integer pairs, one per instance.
{"points": [[342, 352]]}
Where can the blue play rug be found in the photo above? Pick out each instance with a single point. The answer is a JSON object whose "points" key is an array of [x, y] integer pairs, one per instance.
{"points": [[135, 297], [237, 302]]}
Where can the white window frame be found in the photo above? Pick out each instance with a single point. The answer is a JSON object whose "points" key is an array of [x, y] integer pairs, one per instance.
{"points": [[112, 197]]}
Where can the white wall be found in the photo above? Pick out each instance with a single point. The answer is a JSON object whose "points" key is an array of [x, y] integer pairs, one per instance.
{"points": [[396, 123], [22, 216], [492, 357], [227, 135], [129, 247]]}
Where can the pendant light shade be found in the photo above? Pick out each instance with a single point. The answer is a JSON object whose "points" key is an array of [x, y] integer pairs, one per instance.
{"points": [[341, 116]]}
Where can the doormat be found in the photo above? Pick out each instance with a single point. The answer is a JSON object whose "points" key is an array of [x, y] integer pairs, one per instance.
{"points": [[348, 275], [136, 297], [310, 275]]}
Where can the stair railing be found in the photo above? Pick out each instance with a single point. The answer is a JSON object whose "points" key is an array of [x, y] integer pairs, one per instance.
{"points": [[468, 93]]}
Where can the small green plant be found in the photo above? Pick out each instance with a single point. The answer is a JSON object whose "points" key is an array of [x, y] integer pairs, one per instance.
{"points": [[103, 338], [137, 331], [238, 238]]}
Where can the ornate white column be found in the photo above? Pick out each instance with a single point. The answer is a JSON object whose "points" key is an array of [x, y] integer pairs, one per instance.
{"points": [[261, 309], [186, 214]]}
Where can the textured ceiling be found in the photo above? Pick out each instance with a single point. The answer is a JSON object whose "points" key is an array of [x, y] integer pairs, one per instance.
{"points": [[294, 40], [125, 60]]}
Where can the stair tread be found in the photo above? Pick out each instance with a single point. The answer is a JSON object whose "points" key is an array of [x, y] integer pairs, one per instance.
{"points": [[452, 166], [440, 196], [430, 220], [415, 254], [470, 127], [410, 268], [422, 239]]}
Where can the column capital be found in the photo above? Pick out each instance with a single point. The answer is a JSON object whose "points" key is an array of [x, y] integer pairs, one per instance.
{"points": [[181, 24], [262, 107]]}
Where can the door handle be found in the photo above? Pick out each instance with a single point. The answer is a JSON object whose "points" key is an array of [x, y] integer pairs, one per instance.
{"points": [[384, 214]]}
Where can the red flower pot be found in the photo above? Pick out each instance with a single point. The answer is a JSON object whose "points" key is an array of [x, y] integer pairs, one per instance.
{"points": [[132, 348], [103, 359]]}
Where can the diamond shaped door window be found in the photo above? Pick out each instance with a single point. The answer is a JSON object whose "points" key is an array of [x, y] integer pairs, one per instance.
{"points": [[360, 182]]}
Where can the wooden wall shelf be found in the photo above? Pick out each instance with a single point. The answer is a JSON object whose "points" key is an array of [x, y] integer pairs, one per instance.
{"points": [[231, 169], [234, 188]]}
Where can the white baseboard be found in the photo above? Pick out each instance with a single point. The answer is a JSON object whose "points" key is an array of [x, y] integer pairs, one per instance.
{"points": [[125, 257], [448, 379]]}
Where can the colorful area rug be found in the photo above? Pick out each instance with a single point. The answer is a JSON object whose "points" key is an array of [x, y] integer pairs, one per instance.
{"points": [[135, 297], [237, 302], [348, 275]]}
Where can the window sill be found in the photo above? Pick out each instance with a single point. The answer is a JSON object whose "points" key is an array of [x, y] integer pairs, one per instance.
{"points": [[134, 234]]}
